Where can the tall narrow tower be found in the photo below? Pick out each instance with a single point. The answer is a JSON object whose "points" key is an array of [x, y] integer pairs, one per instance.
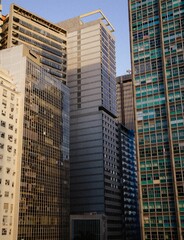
{"points": [[94, 149], [156, 31]]}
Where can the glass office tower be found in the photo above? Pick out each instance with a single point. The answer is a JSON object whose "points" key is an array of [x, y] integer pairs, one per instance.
{"points": [[156, 31], [39, 158]]}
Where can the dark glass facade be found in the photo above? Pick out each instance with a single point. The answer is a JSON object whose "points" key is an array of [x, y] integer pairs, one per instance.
{"points": [[157, 31], [44, 192], [129, 185], [86, 229]]}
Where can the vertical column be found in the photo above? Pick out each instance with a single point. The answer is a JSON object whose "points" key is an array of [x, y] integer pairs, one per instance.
{"points": [[171, 150]]}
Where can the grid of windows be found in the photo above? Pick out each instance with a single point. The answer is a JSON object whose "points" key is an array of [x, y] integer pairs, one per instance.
{"points": [[157, 58], [9, 110], [130, 215], [47, 40], [111, 176], [108, 71], [44, 205], [94, 150]]}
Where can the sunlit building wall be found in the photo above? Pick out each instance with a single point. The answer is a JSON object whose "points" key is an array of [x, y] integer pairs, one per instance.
{"points": [[10, 152], [45, 38]]}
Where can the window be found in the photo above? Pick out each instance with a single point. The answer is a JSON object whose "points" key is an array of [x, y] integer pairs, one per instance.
{"points": [[5, 220], [12, 96], [3, 113], [4, 103], [7, 182], [10, 126], [9, 148], [4, 93], [3, 123], [12, 107], [4, 231], [11, 116], [6, 194], [10, 138], [2, 134], [6, 206], [1, 145], [11, 210]]}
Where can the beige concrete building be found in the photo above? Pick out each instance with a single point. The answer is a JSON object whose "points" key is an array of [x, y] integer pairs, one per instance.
{"points": [[10, 152], [125, 101], [46, 39], [40, 200]]}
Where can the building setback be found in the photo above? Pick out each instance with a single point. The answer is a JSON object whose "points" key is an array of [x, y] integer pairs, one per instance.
{"points": [[125, 102], [43, 37], [43, 203], [1, 21], [95, 182], [156, 31]]}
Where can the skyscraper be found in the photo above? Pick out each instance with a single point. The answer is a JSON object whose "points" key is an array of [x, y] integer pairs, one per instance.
{"points": [[156, 33], [41, 192], [45, 38], [95, 182], [125, 101]]}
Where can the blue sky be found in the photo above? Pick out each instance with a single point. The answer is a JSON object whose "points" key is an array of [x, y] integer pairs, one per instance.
{"points": [[57, 10]]}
